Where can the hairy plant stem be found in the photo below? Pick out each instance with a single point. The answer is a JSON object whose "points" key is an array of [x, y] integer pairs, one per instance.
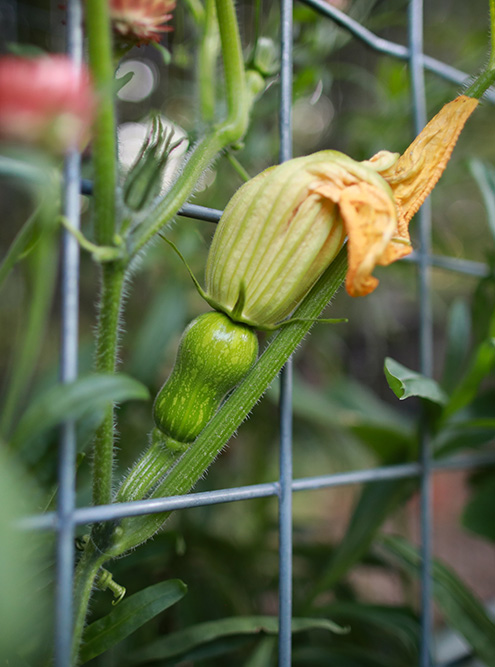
{"points": [[86, 573], [209, 51], [232, 129], [198, 457], [146, 473], [113, 277], [487, 77], [187, 468], [104, 143]]}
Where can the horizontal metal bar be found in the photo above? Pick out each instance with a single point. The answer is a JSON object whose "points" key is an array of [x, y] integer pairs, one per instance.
{"points": [[467, 266], [391, 48], [85, 515], [201, 212], [188, 210]]}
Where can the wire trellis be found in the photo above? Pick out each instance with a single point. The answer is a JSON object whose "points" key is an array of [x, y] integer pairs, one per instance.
{"points": [[67, 516]]}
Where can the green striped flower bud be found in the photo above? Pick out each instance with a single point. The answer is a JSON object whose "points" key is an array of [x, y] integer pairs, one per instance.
{"points": [[282, 229]]}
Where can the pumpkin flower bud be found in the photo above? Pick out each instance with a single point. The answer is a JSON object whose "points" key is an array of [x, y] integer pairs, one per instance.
{"points": [[282, 229]]}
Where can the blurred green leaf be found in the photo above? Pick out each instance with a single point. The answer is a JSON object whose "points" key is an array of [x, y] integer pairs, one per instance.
{"points": [[405, 383], [484, 175], [481, 365], [458, 338], [342, 656], [130, 615], [461, 608], [73, 401], [264, 653], [350, 406], [479, 513], [375, 504], [166, 317], [179, 643]]}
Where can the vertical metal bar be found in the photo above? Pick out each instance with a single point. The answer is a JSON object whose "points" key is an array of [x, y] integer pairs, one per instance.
{"points": [[285, 494], [68, 373], [426, 335]]}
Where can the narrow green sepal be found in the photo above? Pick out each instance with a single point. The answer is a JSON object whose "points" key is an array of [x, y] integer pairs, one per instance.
{"points": [[295, 320]]}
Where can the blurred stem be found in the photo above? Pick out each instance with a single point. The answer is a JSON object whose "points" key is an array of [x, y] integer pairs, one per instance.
{"points": [[229, 131], [85, 575], [152, 465], [209, 50], [101, 64], [491, 61], [238, 166], [196, 460], [487, 77], [43, 271], [196, 10], [113, 278]]}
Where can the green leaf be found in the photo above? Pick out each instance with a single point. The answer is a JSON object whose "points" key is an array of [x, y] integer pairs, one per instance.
{"points": [[480, 367], [122, 81], [165, 53], [458, 338], [405, 383], [376, 503], [130, 615], [484, 174], [462, 609], [479, 513], [179, 643], [73, 401]]}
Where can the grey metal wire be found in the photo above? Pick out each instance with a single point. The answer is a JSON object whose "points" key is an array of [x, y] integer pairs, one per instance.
{"points": [[285, 465], [66, 498], [67, 516]]}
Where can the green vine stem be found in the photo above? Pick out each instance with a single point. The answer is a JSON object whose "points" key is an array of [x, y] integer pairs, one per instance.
{"points": [[104, 150], [487, 77], [86, 573], [195, 461], [117, 539], [209, 50], [142, 478], [229, 131], [113, 278]]}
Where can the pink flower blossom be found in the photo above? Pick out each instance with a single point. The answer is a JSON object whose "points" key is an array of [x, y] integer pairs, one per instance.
{"points": [[141, 21], [45, 101]]}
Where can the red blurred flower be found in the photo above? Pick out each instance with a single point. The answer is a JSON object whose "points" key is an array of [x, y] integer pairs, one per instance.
{"points": [[45, 101], [141, 21]]}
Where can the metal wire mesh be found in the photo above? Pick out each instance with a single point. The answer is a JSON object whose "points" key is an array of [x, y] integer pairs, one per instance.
{"points": [[67, 516]]}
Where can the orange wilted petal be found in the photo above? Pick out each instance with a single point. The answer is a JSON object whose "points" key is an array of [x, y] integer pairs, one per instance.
{"points": [[417, 171], [370, 220]]}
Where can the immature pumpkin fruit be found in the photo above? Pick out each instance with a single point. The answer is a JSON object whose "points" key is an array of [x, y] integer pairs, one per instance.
{"points": [[214, 354], [278, 234]]}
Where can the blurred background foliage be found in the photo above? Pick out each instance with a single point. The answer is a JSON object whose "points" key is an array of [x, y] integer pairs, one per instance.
{"points": [[348, 98]]}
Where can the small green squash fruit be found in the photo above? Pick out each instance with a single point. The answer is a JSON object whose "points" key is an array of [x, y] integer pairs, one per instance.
{"points": [[214, 355]]}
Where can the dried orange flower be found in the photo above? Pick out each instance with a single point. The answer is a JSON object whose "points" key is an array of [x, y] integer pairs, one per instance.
{"points": [[283, 228], [141, 21]]}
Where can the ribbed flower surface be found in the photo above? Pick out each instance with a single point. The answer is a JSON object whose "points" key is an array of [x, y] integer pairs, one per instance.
{"points": [[45, 101], [281, 230], [141, 21]]}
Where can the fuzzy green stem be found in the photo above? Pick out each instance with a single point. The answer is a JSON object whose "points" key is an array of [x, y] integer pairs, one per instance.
{"points": [[207, 64], [487, 77], [86, 572], [195, 461], [113, 276], [148, 470], [100, 55], [229, 131]]}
